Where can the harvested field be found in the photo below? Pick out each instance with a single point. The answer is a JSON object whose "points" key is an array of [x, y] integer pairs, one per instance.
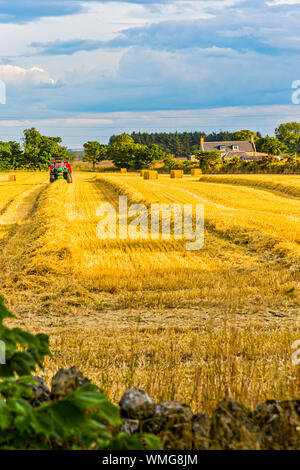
{"points": [[190, 326]]}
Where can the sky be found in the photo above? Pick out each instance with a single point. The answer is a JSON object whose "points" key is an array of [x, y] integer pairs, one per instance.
{"points": [[85, 70]]}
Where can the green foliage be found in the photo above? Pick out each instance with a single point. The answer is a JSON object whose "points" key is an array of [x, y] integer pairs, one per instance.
{"points": [[145, 155], [39, 150], [24, 351], [126, 154], [11, 156], [269, 164], [208, 160], [289, 134], [121, 151], [84, 419], [94, 152], [270, 145], [244, 135]]}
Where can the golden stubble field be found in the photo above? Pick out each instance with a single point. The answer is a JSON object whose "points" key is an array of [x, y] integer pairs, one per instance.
{"points": [[184, 325]]}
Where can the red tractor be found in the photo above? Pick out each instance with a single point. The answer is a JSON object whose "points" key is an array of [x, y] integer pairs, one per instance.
{"points": [[60, 169]]}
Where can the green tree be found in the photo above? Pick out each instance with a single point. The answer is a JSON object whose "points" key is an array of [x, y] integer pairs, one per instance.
{"points": [[270, 145], [208, 160], [144, 155], [121, 151], [289, 134], [125, 153], [94, 152], [244, 134], [11, 156], [40, 150]]}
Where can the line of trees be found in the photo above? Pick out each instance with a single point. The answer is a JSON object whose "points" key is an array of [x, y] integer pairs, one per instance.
{"points": [[35, 152], [123, 152], [182, 144], [139, 150]]}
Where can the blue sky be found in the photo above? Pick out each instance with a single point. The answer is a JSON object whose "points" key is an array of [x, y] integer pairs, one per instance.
{"points": [[86, 70]]}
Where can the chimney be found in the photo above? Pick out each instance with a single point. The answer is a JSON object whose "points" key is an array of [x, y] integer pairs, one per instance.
{"points": [[253, 145], [202, 143]]}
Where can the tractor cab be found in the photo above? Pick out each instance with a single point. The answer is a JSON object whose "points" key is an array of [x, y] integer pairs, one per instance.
{"points": [[60, 169]]}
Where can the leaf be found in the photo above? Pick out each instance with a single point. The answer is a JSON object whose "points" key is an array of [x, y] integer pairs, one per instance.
{"points": [[67, 415], [43, 423], [153, 442], [87, 396], [19, 406], [126, 442], [21, 423], [24, 338], [5, 416], [4, 312], [110, 413]]}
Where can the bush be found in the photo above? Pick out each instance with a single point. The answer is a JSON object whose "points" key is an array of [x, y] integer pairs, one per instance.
{"points": [[84, 419]]}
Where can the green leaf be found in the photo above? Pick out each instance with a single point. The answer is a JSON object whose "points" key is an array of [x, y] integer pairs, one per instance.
{"points": [[43, 423], [5, 416], [153, 442], [110, 413], [21, 423], [126, 442], [87, 396], [4, 312], [19, 406], [67, 415]]}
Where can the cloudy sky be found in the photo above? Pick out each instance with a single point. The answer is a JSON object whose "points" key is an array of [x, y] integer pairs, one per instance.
{"points": [[88, 69]]}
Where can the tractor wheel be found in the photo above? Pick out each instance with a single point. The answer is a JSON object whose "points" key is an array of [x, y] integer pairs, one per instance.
{"points": [[69, 178], [52, 178]]}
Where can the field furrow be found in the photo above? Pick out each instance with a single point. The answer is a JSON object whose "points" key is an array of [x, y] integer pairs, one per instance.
{"points": [[264, 221], [285, 185]]}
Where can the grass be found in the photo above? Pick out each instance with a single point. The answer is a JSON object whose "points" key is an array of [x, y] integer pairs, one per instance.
{"points": [[283, 184], [191, 326]]}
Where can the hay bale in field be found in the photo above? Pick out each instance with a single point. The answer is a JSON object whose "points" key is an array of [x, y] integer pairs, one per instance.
{"points": [[176, 173], [123, 171], [196, 172], [151, 175], [12, 178], [142, 172]]}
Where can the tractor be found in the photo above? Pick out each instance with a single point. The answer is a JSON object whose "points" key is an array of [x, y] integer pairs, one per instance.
{"points": [[60, 169]]}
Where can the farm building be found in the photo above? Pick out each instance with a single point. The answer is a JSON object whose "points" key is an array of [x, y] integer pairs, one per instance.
{"points": [[246, 150]]}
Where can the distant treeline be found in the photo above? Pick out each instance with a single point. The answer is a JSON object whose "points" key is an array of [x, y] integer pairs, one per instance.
{"points": [[180, 144]]}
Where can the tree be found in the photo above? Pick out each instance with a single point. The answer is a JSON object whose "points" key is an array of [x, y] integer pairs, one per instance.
{"points": [[127, 154], [121, 151], [144, 155], [11, 156], [244, 134], [94, 152], [289, 134], [270, 145], [40, 150], [208, 160]]}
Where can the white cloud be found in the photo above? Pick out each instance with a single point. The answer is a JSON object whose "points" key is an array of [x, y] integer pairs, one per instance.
{"points": [[12, 74], [274, 3]]}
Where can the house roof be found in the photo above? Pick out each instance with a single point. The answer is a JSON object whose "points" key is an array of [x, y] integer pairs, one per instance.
{"points": [[244, 146]]}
